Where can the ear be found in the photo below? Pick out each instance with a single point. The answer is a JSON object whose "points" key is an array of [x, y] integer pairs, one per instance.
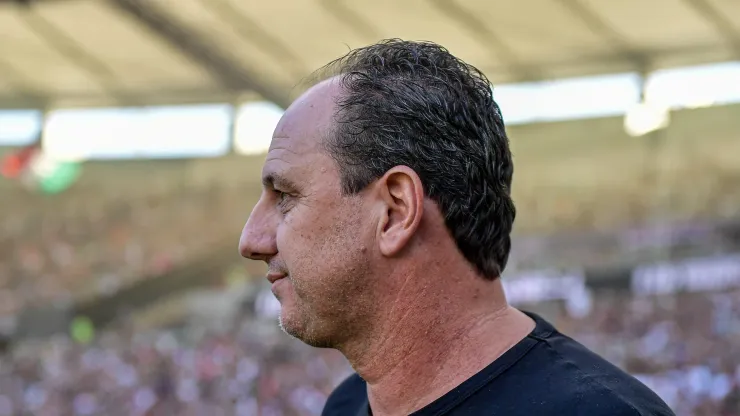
{"points": [[402, 196]]}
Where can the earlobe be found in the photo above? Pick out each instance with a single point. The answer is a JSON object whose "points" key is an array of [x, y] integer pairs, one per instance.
{"points": [[402, 194]]}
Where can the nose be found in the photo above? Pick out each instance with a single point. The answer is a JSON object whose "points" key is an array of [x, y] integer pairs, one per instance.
{"points": [[258, 238]]}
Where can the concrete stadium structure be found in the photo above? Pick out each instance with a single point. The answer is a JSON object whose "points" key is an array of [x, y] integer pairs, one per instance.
{"points": [[62, 53]]}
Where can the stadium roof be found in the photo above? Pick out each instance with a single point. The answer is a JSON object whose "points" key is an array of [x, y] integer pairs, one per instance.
{"points": [[60, 53]]}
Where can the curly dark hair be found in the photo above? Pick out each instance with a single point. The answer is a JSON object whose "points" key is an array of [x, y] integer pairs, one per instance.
{"points": [[416, 104]]}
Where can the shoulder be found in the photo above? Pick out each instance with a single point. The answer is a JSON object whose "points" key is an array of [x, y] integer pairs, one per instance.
{"points": [[590, 385], [347, 398], [563, 388], [588, 396], [598, 400], [566, 377]]}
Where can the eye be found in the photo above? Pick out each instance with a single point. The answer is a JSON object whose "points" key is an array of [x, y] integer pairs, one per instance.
{"points": [[282, 199]]}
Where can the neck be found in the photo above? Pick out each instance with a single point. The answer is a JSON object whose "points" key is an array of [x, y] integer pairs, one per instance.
{"points": [[433, 340]]}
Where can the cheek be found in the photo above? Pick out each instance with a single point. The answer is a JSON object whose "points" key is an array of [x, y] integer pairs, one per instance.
{"points": [[299, 235], [310, 239]]}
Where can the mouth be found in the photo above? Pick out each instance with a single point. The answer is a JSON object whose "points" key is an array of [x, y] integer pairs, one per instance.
{"points": [[274, 277]]}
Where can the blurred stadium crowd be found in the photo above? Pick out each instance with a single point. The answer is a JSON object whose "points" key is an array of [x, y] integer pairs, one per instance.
{"points": [[682, 345], [88, 246], [70, 247], [246, 368]]}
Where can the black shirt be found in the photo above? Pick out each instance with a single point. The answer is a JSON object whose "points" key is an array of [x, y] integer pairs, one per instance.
{"points": [[546, 373]]}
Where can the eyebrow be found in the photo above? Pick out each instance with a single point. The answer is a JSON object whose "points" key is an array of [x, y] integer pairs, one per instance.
{"points": [[275, 180]]}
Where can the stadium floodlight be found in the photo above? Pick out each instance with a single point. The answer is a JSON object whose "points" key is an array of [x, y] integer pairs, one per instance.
{"points": [[645, 117], [255, 123], [59, 142]]}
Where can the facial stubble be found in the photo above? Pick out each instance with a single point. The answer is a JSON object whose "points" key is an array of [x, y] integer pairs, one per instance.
{"points": [[337, 307]]}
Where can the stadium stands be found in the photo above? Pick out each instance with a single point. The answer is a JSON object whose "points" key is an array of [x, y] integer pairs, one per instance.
{"points": [[681, 345], [80, 248]]}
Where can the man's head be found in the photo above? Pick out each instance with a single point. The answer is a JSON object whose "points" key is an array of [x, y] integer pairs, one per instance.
{"points": [[399, 159]]}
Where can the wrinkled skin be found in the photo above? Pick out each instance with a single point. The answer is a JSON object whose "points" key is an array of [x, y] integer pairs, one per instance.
{"points": [[307, 231]]}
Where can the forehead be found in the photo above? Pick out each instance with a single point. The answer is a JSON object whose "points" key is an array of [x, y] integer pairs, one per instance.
{"points": [[296, 142]]}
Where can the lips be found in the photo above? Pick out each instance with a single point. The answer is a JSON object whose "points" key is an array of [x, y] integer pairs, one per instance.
{"points": [[274, 277]]}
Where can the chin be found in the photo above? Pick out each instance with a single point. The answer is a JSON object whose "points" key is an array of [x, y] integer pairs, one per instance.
{"points": [[302, 332]]}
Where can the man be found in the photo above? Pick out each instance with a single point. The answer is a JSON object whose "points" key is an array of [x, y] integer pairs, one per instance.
{"points": [[385, 222]]}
